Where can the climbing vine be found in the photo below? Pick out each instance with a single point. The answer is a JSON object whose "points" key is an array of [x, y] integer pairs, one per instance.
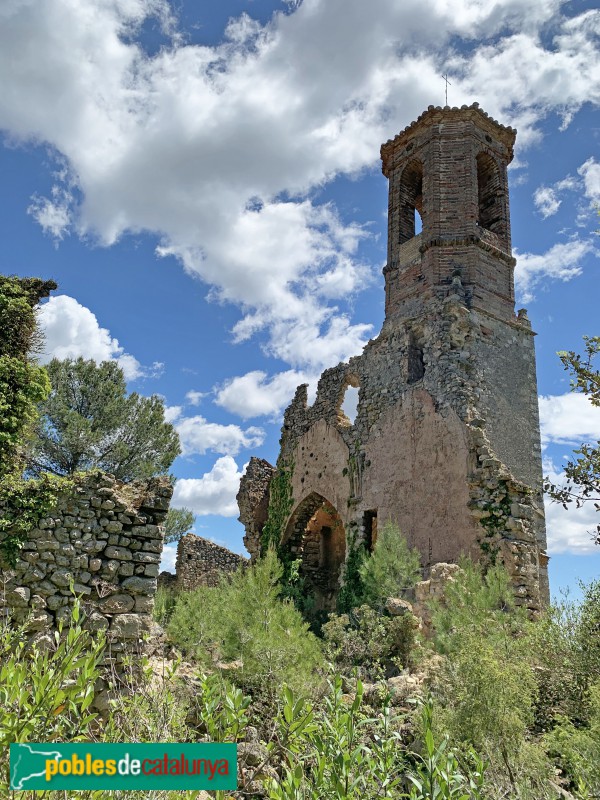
{"points": [[281, 501], [22, 504], [498, 508], [351, 594]]}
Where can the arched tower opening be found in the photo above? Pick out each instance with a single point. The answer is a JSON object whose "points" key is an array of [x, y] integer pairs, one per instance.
{"points": [[490, 194], [411, 200], [315, 536]]}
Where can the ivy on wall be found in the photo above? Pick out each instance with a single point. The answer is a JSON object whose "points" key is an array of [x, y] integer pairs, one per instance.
{"points": [[281, 501], [22, 504]]}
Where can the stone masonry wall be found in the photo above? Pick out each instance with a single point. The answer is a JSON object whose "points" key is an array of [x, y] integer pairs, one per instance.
{"points": [[103, 541], [201, 563]]}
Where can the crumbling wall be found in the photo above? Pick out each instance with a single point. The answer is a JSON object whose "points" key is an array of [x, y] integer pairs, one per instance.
{"points": [[253, 502], [202, 563], [102, 542]]}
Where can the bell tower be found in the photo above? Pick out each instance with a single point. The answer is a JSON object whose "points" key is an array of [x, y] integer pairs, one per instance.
{"points": [[445, 441], [450, 166]]}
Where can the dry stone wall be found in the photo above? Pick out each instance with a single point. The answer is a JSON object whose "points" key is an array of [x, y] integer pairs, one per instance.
{"points": [[202, 563], [102, 542]]}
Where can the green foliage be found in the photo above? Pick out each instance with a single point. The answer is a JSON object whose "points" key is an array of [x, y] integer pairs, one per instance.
{"points": [[22, 504], [17, 317], [243, 620], [280, 506], [45, 695], [178, 523], [485, 689], [165, 600], [366, 640], [22, 384], [577, 750], [22, 387], [391, 570], [334, 752], [438, 774], [219, 708], [351, 595], [582, 474], [89, 421]]}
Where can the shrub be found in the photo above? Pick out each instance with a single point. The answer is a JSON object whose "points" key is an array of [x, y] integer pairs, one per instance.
{"points": [[243, 620], [485, 690], [365, 639], [391, 570], [46, 694]]}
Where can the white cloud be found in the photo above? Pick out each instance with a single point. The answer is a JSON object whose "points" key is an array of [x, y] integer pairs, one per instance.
{"points": [[214, 492], [216, 149], [568, 419], [255, 395], [569, 530], [546, 201], [195, 398], [198, 436], [561, 262], [54, 216], [172, 413], [590, 172], [72, 330]]}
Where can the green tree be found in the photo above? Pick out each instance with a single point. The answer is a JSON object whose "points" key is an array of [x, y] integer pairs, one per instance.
{"points": [[22, 384], [178, 523], [244, 621], [89, 421], [391, 569], [583, 473]]}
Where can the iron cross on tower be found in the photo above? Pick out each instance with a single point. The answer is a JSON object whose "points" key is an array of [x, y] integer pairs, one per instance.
{"points": [[445, 77]]}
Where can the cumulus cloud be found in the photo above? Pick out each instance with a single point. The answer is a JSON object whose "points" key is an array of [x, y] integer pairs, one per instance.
{"points": [[214, 492], [217, 150], [561, 262], [198, 436], [255, 395], [72, 330], [568, 419]]}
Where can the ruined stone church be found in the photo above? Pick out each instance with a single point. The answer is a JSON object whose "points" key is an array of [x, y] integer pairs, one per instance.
{"points": [[446, 438]]}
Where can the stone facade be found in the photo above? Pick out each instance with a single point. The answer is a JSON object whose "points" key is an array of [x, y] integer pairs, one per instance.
{"points": [[202, 563], [446, 438], [104, 539]]}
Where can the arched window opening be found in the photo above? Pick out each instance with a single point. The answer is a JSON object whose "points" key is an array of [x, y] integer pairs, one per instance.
{"points": [[348, 404], [411, 200], [416, 363], [489, 186]]}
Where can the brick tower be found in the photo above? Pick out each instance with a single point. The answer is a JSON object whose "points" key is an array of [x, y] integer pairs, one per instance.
{"points": [[446, 437]]}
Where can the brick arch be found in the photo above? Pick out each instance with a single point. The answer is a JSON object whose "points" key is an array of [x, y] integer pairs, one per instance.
{"points": [[315, 534], [411, 198], [490, 191]]}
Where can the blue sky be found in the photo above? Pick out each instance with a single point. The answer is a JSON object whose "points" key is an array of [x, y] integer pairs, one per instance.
{"points": [[203, 182]]}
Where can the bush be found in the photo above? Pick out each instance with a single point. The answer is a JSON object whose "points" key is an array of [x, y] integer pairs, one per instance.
{"points": [[365, 639], [485, 690], [391, 570], [244, 621], [46, 694]]}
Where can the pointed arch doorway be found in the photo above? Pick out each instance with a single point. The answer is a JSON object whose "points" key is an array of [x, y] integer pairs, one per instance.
{"points": [[315, 535]]}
